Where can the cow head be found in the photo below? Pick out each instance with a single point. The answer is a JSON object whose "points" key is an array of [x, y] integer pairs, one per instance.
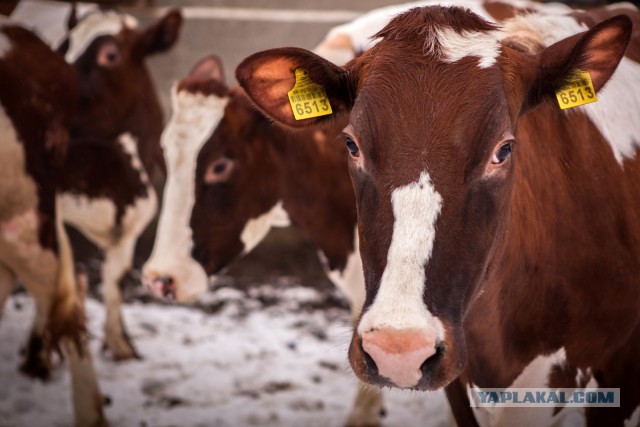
{"points": [[117, 94], [221, 194], [433, 111]]}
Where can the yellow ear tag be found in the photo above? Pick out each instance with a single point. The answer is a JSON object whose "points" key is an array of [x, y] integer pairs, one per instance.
{"points": [[308, 99], [578, 91]]}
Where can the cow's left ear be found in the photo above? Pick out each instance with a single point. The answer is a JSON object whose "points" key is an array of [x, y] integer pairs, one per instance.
{"points": [[269, 76], [597, 51], [161, 35]]}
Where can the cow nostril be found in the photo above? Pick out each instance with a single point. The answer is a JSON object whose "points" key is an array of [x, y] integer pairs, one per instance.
{"points": [[167, 287], [432, 361], [368, 360]]}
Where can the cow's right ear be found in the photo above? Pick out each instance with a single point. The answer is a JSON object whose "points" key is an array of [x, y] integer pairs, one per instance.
{"points": [[268, 76]]}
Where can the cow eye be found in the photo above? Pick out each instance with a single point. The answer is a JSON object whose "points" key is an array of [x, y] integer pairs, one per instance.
{"points": [[109, 55], [501, 154], [353, 148], [219, 171]]}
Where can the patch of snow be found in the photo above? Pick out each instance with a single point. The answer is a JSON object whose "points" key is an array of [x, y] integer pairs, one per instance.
{"points": [[250, 363]]}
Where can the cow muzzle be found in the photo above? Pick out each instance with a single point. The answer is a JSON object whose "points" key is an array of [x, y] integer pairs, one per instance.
{"points": [[400, 356], [161, 286]]}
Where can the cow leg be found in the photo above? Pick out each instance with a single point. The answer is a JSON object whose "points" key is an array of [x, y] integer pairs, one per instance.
{"points": [[36, 362], [367, 407], [118, 260], [7, 283], [87, 399], [67, 317], [460, 406], [59, 312]]}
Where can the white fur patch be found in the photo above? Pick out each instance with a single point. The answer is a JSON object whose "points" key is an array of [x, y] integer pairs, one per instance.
{"points": [[257, 228], [19, 232], [193, 121], [454, 46], [94, 25], [399, 302], [615, 113], [18, 191], [95, 217], [361, 29], [634, 419], [535, 375], [130, 147], [350, 280]]}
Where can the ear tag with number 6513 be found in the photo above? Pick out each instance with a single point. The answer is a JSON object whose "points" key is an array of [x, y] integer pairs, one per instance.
{"points": [[308, 99], [577, 91]]}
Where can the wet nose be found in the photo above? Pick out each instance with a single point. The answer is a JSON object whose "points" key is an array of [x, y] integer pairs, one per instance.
{"points": [[162, 286], [399, 354]]}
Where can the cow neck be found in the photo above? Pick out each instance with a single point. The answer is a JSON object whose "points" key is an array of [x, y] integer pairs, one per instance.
{"points": [[571, 217], [145, 123], [316, 190]]}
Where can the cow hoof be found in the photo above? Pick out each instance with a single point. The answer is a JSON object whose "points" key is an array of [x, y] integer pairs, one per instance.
{"points": [[35, 363], [36, 366], [121, 349], [363, 423], [364, 419], [100, 422]]}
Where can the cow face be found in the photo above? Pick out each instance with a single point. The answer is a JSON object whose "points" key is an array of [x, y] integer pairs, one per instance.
{"points": [[116, 92], [433, 112], [220, 198]]}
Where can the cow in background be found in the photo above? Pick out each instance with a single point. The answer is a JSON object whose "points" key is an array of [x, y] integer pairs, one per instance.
{"points": [[38, 98], [500, 235], [231, 176], [115, 144]]}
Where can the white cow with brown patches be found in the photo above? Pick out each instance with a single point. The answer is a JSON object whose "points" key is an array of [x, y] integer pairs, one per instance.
{"points": [[37, 102], [106, 191]]}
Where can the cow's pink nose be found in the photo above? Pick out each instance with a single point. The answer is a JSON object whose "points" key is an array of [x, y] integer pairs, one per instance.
{"points": [[399, 354]]}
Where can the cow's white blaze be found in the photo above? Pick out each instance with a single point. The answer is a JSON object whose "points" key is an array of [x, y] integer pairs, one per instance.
{"points": [[399, 302], [96, 24], [193, 121], [257, 228], [615, 113]]}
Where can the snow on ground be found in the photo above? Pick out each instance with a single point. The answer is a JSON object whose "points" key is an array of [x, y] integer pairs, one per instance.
{"points": [[268, 356]]}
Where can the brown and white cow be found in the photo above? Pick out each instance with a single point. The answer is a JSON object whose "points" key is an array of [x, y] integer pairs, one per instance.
{"points": [[499, 234], [231, 176], [115, 144], [37, 102]]}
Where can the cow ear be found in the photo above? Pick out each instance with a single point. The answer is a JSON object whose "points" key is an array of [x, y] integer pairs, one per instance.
{"points": [[209, 67], [597, 51], [162, 35], [268, 76]]}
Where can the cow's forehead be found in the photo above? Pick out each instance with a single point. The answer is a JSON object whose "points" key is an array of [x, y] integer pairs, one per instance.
{"points": [[94, 25]]}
